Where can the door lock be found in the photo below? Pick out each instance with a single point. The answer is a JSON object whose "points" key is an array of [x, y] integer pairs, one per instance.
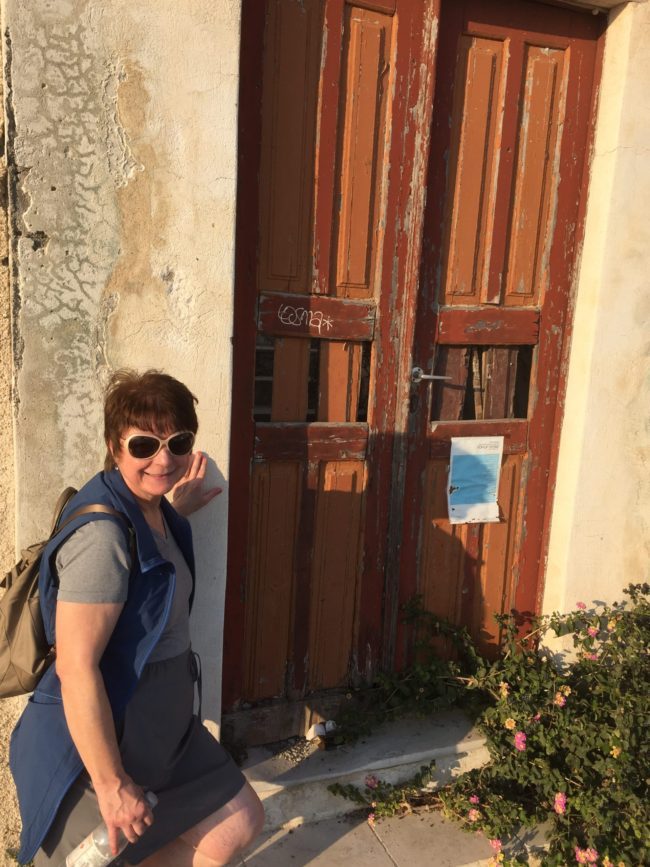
{"points": [[418, 375]]}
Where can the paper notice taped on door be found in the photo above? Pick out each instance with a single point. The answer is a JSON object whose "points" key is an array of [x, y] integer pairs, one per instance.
{"points": [[474, 472]]}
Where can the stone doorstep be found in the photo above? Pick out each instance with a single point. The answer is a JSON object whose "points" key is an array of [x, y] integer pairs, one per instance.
{"points": [[295, 792]]}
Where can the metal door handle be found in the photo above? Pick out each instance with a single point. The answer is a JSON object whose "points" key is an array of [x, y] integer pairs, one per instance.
{"points": [[417, 375]]}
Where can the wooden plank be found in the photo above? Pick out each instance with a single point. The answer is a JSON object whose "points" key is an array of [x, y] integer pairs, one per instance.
{"points": [[440, 566], [275, 504], [297, 675], [498, 551], [336, 557], [366, 58], [290, 379], [339, 381], [290, 96], [316, 316], [514, 432], [326, 176], [500, 364], [476, 124], [448, 396], [470, 591], [537, 173], [488, 326], [310, 442]]}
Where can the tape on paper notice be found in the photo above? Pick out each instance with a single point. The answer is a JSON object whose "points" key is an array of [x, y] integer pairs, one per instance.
{"points": [[474, 472]]}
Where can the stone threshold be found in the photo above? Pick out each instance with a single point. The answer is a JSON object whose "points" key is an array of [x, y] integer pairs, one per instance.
{"points": [[295, 792]]}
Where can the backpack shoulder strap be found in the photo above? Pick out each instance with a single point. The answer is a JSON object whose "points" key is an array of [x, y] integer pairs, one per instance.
{"points": [[94, 508], [61, 503]]}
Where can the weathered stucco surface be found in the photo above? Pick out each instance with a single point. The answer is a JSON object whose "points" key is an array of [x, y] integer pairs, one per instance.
{"points": [[9, 708], [123, 150], [600, 538]]}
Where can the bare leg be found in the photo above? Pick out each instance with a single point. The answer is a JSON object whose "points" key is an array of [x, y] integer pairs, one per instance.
{"points": [[218, 838]]}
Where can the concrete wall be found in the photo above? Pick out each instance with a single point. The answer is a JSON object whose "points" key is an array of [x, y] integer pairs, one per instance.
{"points": [[600, 537], [123, 201]]}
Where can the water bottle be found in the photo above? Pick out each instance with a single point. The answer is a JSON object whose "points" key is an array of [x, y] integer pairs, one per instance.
{"points": [[95, 850]]}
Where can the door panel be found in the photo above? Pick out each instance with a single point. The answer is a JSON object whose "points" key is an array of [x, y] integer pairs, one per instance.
{"points": [[271, 569], [542, 114], [286, 174], [367, 50], [335, 154], [335, 570], [477, 121]]}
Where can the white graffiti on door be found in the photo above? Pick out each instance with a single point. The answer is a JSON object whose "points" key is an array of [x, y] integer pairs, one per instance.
{"points": [[297, 316]]}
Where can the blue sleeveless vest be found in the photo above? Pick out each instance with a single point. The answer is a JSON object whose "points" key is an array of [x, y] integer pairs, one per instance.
{"points": [[43, 758]]}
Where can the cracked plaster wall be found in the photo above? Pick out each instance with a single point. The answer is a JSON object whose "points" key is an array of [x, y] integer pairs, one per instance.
{"points": [[123, 150], [600, 534]]}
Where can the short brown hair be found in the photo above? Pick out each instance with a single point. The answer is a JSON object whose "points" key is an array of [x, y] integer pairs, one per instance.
{"points": [[151, 401]]}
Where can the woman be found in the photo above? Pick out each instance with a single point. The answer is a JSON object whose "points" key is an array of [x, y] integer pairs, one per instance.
{"points": [[113, 717]]}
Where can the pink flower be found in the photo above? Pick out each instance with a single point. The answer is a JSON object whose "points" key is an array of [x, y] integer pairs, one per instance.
{"points": [[371, 781], [586, 856], [496, 844], [581, 605], [559, 699], [371, 818], [537, 717], [474, 815], [474, 799], [559, 804], [592, 656], [520, 741], [592, 631]]}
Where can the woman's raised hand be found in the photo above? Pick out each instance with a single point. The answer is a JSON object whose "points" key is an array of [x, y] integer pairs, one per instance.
{"points": [[189, 493]]}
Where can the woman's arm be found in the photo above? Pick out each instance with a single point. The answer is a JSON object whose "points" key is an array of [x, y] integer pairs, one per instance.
{"points": [[82, 633]]}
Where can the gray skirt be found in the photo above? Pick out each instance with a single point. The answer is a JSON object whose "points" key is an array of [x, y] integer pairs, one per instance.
{"points": [[164, 748]]}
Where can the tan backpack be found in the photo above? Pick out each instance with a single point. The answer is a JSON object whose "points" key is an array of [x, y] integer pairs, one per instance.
{"points": [[25, 652]]}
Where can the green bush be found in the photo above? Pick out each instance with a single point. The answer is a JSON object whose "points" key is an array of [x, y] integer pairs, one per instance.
{"points": [[568, 739]]}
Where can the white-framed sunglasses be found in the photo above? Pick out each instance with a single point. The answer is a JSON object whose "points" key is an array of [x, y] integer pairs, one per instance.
{"points": [[142, 446]]}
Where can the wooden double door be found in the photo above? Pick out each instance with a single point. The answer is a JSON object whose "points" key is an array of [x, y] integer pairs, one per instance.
{"points": [[412, 176]]}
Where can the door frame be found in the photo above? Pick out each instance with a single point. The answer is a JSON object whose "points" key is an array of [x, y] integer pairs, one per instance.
{"points": [[388, 441]]}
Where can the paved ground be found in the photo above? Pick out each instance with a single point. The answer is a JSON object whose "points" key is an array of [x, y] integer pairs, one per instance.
{"points": [[418, 840]]}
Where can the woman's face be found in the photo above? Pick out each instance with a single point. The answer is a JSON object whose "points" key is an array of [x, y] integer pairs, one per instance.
{"points": [[150, 478]]}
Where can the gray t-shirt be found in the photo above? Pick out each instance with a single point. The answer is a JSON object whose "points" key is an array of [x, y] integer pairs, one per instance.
{"points": [[94, 563]]}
